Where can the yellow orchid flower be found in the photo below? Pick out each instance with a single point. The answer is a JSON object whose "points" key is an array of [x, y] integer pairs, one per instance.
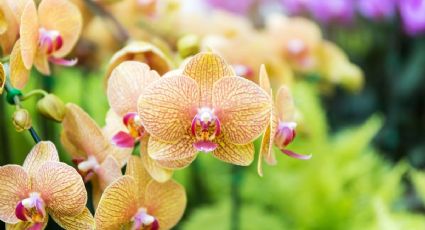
{"points": [[47, 34], [43, 186], [96, 158], [281, 128], [9, 27], [206, 108], [2, 78], [135, 201], [127, 82], [295, 39]]}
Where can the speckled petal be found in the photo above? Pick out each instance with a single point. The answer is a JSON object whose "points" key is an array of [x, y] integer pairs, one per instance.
{"points": [[183, 148], [266, 148], [40, 153], [234, 154], [117, 205], [242, 107], [176, 164], [206, 69], [29, 34], [136, 170], [83, 132], [63, 16], [126, 83], [82, 221], [62, 188], [108, 172], [14, 185], [285, 104], [166, 201], [168, 106], [18, 73]]}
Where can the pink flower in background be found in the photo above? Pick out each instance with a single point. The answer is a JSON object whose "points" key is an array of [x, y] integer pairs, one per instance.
{"points": [[377, 9], [341, 11], [295, 7], [413, 15], [234, 6]]}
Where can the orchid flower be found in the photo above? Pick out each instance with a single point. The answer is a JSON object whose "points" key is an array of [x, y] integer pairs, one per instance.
{"points": [[43, 186], [296, 39], [47, 34], [126, 83], [96, 158], [281, 128], [136, 202], [206, 108]]}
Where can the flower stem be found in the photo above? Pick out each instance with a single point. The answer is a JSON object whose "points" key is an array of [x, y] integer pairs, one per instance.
{"points": [[33, 93], [235, 195]]}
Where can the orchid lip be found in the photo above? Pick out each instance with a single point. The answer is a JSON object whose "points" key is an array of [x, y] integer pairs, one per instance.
{"points": [[205, 146], [31, 208], [143, 219], [296, 155], [50, 40]]}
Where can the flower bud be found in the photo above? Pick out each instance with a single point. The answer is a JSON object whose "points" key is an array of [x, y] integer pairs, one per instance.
{"points": [[51, 107], [188, 45], [21, 120]]}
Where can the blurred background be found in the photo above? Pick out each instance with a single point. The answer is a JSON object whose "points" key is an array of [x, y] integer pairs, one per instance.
{"points": [[356, 69]]}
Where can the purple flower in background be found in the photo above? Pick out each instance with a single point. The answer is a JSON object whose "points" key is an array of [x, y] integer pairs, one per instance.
{"points": [[234, 6], [340, 11], [377, 9], [295, 7], [413, 16]]}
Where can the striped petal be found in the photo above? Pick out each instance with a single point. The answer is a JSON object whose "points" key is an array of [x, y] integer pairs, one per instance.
{"points": [[29, 34], [83, 221], [41, 153], [242, 107], [206, 69], [14, 186], [183, 148], [19, 75], [154, 169], [168, 106], [117, 205], [83, 132], [166, 201], [141, 177], [234, 154], [126, 83], [63, 16], [176, 164], [62, 188], [108, 171], [285, 104]]}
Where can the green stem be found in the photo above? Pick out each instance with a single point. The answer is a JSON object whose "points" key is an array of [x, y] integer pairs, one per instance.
{"points": [[33, 93], [235, 195]]}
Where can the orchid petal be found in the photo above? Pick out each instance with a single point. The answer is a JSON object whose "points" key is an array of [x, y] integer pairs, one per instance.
{"points": [[63, 16], [2, 78], [157, 172], [243, 108], [296, 155], [121, 155], [42, 152], [84, 220], [141, 177], [114, 124], [166, 201], [117, 205], [264, 80], [14, 184], [17, 7], [70, 148], [108, 172], [176, 164], [285, 104], [234, 154], [41, 63], [206, 69], [62, 188], [18, 73], [27, 225], [83, 132], [168, 106], [141, 52], [266, 148], [123, 140], [183, 148], [126, 83], [29, 34], [96, 190], [63, 61]]}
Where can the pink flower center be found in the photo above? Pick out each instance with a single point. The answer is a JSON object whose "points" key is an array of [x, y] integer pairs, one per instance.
{"points": [[49, 40], [285, 134], [136, 131], [31, 209], [205, 127], [142, 220]]}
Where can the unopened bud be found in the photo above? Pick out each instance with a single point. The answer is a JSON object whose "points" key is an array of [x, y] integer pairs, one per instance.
{"points": [[21, 120], [51, 107], [188, 45]]}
